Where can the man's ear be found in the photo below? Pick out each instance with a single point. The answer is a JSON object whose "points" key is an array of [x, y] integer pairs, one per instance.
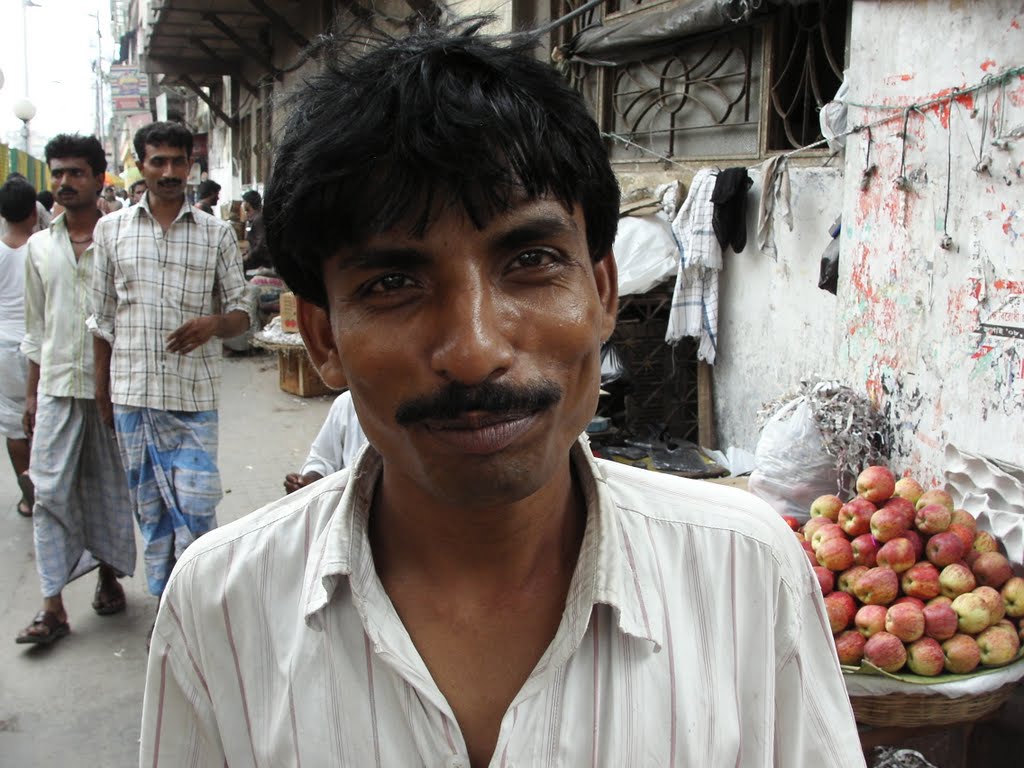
{"points": [[606, 273], [315, 327]]}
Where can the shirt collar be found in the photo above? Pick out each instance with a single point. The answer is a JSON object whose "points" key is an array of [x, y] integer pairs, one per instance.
{"points": [[143, 207], [606, 573]]}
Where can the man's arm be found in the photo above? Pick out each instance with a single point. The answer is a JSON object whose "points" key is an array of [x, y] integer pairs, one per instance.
{"points": [[32, 341], [293, 481], [28, 419], [101, 375]]}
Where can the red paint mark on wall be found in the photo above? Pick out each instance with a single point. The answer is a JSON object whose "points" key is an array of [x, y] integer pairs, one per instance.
{"points": [[983, 350], [975, 290], [987, 64], [1013, 286], [1014, 24]]}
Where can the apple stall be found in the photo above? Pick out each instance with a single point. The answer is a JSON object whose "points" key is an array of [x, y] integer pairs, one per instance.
{"points": [[923, 585]]}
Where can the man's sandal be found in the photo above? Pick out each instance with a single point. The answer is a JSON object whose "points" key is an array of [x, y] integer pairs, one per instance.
{"points": [[109, 598], [46, 620]]}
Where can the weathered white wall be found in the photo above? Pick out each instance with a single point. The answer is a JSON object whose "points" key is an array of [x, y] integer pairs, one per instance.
{"points": [[909, 311]]}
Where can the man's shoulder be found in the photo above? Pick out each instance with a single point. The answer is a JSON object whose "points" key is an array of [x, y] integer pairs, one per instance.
{"points": [[283, 529], [679, 504]]}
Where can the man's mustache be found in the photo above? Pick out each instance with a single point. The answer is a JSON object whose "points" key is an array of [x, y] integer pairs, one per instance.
{"points": [[457, 399], [169, 183]]}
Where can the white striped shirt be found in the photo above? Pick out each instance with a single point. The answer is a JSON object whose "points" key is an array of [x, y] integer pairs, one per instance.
{"points": [[694, 634], [146, 283]]}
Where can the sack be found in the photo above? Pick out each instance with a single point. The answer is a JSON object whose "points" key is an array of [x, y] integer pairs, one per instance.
{"points": [[793, 467]]}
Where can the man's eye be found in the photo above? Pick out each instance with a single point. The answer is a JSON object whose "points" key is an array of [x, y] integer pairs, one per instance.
{"points": [[389, 283], [535, 258]]}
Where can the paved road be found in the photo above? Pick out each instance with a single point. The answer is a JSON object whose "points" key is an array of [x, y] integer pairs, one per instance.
{"points": [[78, 703]]}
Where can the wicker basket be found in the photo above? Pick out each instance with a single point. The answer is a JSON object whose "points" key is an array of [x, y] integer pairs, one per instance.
{"points": [[905, 710]]}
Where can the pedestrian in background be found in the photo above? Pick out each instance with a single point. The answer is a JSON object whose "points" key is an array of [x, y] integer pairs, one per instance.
{"points": [[18, 207], [138, 189], [207, 196], [167, 286], [82, 517]]}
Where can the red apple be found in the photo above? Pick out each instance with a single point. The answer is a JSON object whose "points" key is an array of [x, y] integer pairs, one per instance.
{"points": [[993, 601], [921, 580], [885, 651], [903, 507], [830, 531], [827, 506], [992, 569], [835, 554], [825, 579], [887, 524], [865, 550], [935, 496], [792, 522], [997, 646], [985, 542], [841, 609], [879, 586], [966, 519], [965, 534], [916, 542], [912, 600], [870, 619], [906, 621], [932, 519], [1013, 597], [897, 554], [855, 517], [925, 657], [956, 579], [972, 613], [944, 549], [812, 525], [847, 580], [908, 488], [940, 621], [850, 647], [941, 599], [876, 484], [962, 654]]}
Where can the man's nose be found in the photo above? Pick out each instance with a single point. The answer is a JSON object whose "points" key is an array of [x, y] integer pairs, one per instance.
{"points": [[472, 343]]}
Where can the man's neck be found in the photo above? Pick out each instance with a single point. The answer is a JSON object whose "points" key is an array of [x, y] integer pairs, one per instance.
{"points": [[480, 551], [17, 235], [165, 211], [81, 221]]}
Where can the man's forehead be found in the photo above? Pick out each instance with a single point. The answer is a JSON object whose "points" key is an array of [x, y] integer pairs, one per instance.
{"points": [[164, 150], [60, 163]]}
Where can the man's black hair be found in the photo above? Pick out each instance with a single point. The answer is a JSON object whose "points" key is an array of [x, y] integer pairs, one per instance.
{"points": [[75, 145], [135, 184], [17, 200], [252, 197], [45, 197], [162, 133], [443, 117], [207, 188]]}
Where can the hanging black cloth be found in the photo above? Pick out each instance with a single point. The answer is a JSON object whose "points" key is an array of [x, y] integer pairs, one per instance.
{"points": [[730, 200]]}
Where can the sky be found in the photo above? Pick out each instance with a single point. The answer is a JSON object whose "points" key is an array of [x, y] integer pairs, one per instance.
{"points": [[62, 47]]}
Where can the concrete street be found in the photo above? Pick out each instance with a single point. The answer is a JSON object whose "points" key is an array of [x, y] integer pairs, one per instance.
{"points": [[78, 702]]}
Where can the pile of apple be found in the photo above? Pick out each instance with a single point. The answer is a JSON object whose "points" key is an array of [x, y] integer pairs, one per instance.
{"points": [[909, 581]]}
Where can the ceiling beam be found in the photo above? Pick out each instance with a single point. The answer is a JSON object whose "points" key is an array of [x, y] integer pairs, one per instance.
{"points": [[244, 45], [176, 65], [280, 22], [201, 44], [214, 107]]}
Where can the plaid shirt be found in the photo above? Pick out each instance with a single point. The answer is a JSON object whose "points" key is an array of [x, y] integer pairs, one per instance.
{"points": [[146, 283]]}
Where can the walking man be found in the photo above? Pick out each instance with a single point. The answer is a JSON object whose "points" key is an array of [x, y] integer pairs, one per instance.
{"points": [[82, 517], [167, 287], [479, 590]]}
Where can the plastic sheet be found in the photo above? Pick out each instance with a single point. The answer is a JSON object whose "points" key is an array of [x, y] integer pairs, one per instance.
{"points": [[646, 253]]}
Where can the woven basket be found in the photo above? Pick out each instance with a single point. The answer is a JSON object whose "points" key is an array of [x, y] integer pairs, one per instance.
{"points": [[905, 710]]}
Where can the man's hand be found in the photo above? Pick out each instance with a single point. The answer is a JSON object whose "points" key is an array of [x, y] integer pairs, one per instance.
{"points": [[105, 408], [294, 481], [28, 419], [193, 334]]}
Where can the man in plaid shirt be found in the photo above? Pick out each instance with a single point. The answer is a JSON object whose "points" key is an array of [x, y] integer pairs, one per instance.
{"points": [[167, 285]]}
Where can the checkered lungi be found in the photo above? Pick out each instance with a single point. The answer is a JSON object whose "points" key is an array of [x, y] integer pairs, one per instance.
{"points": [[170, 459], [82, 516]]}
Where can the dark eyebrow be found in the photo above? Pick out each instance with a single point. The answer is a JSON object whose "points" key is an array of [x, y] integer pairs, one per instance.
{"points": [[534, 230], [371, 258]]}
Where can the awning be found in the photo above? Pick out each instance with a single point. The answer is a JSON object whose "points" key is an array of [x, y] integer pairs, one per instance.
{"points": [[640, 34]]}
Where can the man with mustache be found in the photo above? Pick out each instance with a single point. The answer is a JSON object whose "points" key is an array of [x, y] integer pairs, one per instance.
{"points": [[167, 286], [478, 589], [81, 518]]}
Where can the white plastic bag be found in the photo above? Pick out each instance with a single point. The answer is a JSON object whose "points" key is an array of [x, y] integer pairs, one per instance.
{"points": [[793, 467]]}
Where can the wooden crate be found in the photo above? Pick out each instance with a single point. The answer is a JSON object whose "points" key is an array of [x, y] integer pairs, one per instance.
{"points": [[297, 375]]}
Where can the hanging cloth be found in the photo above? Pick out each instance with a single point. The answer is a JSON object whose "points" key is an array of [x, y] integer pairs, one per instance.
{"points": [[730, 199], [694, 310], [774, 197]]}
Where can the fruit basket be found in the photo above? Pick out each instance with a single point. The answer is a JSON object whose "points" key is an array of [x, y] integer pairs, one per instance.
{"points": [[913, 710]]}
